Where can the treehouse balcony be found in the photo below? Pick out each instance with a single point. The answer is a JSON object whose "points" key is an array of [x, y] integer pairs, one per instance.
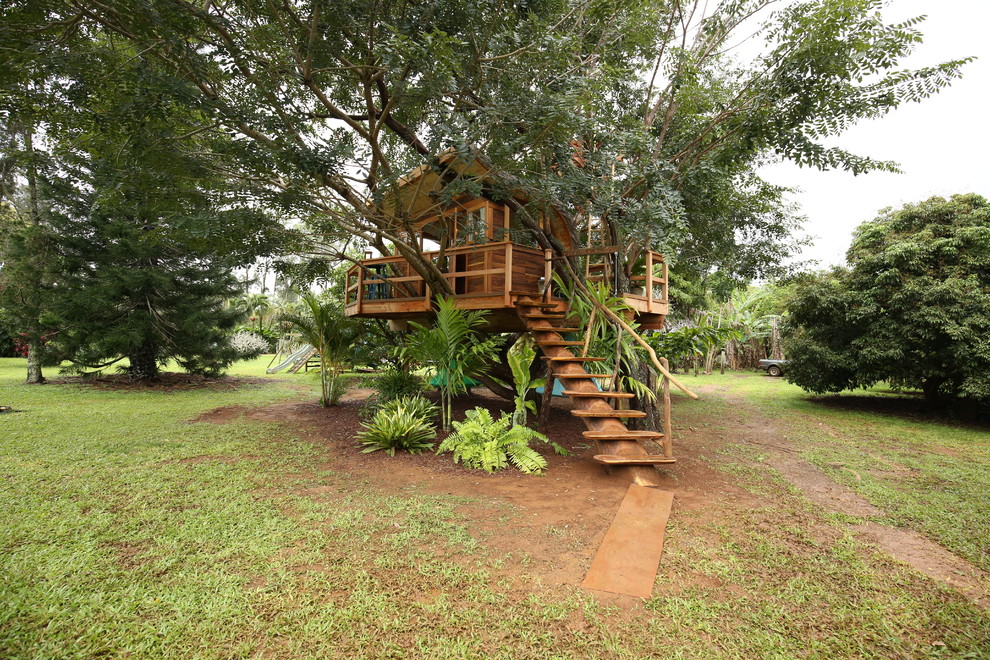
{"points": [[493, 277], [487, 254]]}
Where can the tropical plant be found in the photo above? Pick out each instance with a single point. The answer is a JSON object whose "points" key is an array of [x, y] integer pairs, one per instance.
{"points": [[619, 350], [258, 308], [692, 342], [396, 382], [453, 348], [331, 333], [520, 358], [489, 444], [400, 424], [912, 309]]}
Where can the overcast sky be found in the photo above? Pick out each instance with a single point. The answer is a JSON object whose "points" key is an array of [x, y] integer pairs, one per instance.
{"points": [[942, 143]]}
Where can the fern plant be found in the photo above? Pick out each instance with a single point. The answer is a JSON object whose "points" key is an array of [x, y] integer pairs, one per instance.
{"points": [[402, 423], [483, 442]]}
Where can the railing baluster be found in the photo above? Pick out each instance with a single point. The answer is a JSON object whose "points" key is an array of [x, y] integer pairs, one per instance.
{"points": [[508, 275], [668, 441], [649, 281]]}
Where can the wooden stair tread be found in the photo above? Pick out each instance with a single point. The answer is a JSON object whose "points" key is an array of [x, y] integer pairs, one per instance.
{"points": [[549, 316], [573, 358], [599, 394], [622, 435], [552, 329], [559, 342], [615, 459], [534, 303], [608, 413], [584, 375]]}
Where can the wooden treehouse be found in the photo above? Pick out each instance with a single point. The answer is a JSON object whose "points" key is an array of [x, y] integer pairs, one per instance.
{"points": [[492, 264]]}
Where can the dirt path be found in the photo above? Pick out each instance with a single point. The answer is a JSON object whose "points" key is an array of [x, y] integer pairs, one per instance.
{"points": [[907, 546]]}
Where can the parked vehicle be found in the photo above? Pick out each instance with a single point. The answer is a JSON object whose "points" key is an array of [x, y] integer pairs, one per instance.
{"points": [[773, 367]]}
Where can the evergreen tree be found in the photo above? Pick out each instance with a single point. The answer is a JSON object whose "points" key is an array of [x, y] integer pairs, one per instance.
{"points": [[137, 279]]}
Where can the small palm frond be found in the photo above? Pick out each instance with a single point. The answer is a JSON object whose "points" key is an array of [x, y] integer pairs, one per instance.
{"points": [[638, 388]]}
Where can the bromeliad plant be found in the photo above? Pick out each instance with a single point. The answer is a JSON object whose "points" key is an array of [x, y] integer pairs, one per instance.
{"points": [[489, 444], [402, 423]]}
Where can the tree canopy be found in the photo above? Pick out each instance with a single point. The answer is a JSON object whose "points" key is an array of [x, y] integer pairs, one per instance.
{"points": [[633, 111], [913, 308]]}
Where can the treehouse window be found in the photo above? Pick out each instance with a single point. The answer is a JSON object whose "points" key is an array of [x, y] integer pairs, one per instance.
{"points": [[472, 227], [520, 234]]}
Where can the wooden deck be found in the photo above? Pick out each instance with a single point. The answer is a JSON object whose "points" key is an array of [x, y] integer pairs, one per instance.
{"points": [[489, 276]]}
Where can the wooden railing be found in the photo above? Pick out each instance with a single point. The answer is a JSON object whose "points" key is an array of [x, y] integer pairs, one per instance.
{"points": [[654, 286], [653, 298], [490, 270]]}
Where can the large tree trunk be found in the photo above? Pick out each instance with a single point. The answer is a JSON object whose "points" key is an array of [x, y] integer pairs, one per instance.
{"points": [[495, 387], [34, 375], [144, 363], [930, 387]]}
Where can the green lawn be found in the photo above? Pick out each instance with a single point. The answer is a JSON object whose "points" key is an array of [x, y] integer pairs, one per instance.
{"points": [[129, 530], [926, 473]]}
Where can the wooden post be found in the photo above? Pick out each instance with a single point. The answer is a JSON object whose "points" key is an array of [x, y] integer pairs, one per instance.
{"points": [[547, 274], [666, 283], [487, 264], [668, 441], [508, 274], [648, 283], [360, 290]]}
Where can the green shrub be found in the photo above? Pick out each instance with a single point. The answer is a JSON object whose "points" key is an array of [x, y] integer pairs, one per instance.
{"points": [[396, 383], [393, 384], [482, 442], [402, 423]]}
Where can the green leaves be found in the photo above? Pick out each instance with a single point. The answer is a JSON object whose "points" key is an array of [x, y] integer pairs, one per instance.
{"points": [[325, 327], [913, 308], [489, 444], [453, 348], [520, 358], [400, 424]]}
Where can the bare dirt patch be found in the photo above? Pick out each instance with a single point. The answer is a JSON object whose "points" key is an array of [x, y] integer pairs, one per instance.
{"points": [[557, 519]]}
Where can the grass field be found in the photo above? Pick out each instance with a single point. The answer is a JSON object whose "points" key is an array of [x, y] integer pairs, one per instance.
{"points": [[129, 530], [926, 473]]}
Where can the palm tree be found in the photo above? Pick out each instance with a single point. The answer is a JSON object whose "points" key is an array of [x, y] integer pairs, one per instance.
{"points": [[452, 347], [332, 334], [258, 306]]}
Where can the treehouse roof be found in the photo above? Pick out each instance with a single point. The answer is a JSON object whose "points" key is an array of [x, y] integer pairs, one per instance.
{"points": [[419, 195]]}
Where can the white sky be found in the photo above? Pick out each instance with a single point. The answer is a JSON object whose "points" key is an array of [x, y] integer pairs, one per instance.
{"points": [[942, 144]]}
